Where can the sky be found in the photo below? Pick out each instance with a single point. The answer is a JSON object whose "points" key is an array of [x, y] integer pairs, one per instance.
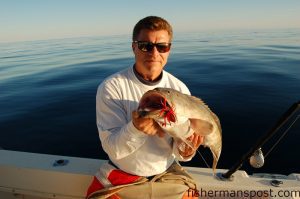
{"points": [[24, 20]]}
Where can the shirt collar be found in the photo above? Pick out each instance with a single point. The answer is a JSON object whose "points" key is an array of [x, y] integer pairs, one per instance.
{"points": [[149, 83]]}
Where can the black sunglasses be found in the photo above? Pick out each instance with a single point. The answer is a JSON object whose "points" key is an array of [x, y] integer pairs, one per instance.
{"points": [[147, 46]]}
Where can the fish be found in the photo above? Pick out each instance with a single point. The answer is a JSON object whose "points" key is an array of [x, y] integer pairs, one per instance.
{"points": [[172, 109]]}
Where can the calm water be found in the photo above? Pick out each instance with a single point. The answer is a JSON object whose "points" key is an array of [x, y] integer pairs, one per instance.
{"points": [[47, 91]]}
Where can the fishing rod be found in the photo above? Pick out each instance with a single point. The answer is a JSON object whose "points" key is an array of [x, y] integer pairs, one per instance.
{"points": [[257, 147]]}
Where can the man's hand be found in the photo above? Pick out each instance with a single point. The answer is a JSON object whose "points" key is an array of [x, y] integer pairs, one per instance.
{"points": [[146, 125], [196, 140]]}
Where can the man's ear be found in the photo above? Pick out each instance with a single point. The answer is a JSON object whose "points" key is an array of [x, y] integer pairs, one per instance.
{"points": [[133, 46]]}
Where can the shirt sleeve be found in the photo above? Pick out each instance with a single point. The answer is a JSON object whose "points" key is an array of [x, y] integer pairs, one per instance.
{"points": [[119, 137]]}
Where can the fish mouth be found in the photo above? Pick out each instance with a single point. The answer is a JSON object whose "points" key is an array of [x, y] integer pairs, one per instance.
{"points": [[152, 103]]}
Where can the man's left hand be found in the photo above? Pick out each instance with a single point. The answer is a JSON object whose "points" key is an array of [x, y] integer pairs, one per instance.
{"points": [[196, 140]]}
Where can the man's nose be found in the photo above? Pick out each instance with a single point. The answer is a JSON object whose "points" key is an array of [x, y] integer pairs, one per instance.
{"points": [[154, 51]]}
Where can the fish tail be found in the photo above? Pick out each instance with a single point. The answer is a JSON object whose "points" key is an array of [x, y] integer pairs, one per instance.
{"points": [[214, 166], [216, 154]]}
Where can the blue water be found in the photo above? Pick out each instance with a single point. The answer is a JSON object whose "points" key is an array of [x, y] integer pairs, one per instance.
{"points": [[48, 88]]}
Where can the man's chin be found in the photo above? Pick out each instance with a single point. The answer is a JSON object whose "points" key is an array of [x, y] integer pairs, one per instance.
{"points": [[153, 65]]}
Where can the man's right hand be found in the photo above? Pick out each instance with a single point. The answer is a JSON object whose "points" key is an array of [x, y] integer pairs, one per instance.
{"points": [[147, 125]]}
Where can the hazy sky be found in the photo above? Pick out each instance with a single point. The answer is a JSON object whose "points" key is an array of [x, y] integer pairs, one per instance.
{"points": [[46, 19]]}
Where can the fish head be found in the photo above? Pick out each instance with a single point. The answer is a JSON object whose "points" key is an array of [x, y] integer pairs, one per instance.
{"points": [[157, 104]]}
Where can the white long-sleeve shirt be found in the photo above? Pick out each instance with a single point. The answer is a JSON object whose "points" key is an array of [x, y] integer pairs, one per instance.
{"points": [[128, 148]]}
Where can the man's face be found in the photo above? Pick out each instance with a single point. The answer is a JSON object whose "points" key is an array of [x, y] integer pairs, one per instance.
{"points": [[150, 64]]}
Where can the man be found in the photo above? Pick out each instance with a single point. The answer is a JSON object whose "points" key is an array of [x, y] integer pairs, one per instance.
{"points": [[138, 146]]}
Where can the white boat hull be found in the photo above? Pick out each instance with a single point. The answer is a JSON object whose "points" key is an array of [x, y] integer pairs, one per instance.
{"points": [[34, 176]]}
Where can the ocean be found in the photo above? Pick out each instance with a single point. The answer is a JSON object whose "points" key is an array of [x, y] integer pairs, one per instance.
{"points": [[248, 78]]}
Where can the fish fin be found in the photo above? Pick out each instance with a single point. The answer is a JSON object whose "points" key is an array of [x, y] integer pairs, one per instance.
{"points": [[198, 100], [201, 127], [184, 141]]}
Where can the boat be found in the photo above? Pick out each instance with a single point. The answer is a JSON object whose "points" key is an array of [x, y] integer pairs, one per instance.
{"points": [[42, 176]]}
